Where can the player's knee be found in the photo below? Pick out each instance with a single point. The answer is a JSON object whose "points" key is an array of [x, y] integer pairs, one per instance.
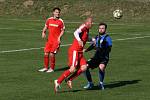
{"points": [[52, 54], [102, 67], [46, 53], [72, 69], [83, 67]]}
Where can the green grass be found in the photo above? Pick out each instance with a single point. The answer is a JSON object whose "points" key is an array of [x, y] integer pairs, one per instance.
{"points": [[127, 74], [101, 10]]}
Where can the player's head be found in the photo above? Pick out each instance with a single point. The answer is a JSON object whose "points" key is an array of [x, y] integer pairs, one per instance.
{"points": [[56, 12], [102, 28], [89, 22]]}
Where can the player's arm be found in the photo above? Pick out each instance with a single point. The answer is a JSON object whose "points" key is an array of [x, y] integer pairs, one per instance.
{"points": [[62, 32], [44, 30], [92, 46], [76, 34], [108, 49], [109, 42]]}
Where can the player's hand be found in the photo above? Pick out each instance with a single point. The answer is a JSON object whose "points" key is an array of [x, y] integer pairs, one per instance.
{"points": [[93, 40], [43, 35], [80, 43], [84, 50], [58, 40]]}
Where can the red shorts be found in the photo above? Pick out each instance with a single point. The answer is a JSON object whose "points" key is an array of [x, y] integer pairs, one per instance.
{"points": [[75, 58], [51, 46]]}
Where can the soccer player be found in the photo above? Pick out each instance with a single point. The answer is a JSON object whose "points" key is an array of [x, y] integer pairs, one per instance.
{"points": [[55, 26], [75, 53], [102, 43]]}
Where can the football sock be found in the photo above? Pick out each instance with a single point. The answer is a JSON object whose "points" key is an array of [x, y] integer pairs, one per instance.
{"points": [[72, 75], [63, 76], [101, 76], [52, 62], [79, 71], [88, 75], [46, 61]]}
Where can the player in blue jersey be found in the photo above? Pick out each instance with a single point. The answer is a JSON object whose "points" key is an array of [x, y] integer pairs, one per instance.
{"points": [[102, 43]]}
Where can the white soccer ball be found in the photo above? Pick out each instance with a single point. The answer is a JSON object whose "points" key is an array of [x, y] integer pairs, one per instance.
{"points": [[117, 14]]}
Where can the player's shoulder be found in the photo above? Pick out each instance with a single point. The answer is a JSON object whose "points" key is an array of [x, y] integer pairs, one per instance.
{"points": [[108, 38], [50, 18], [82, 27], [61, 20], [107, 35]]}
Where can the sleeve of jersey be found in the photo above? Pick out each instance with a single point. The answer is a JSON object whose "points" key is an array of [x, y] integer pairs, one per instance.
{"points": [[63, 26], [77, 32], [47, 23], [109, 41], [90, 48]]}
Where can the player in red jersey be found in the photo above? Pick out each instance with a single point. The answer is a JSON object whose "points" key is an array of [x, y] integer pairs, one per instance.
{"points": [[75, 53], [56, 28]]}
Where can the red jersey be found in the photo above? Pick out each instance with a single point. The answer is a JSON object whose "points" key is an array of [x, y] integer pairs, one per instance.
{"points": [[82, 34], [55, 26]]}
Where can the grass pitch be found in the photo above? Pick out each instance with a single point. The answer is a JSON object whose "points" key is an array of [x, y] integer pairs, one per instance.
{"points": [[127, 74]]}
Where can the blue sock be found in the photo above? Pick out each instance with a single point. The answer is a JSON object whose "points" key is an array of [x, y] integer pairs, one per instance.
{"points": [[101, 76], [88, 75]]}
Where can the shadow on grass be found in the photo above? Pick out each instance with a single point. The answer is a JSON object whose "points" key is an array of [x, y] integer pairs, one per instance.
{"points": [[110, 85], [121, 83], [61, 69]]}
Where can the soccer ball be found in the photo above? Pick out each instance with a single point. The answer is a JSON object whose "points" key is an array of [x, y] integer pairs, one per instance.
{"points": [[117, 14]]}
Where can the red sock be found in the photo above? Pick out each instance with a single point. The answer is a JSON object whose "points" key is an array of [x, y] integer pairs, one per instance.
{"points": [[52, 62], [75, 75], [46, 61], [63, 76]]}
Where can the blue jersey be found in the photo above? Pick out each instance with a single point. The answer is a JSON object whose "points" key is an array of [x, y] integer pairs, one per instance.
{"points": [[103, 46], [103, 41]]}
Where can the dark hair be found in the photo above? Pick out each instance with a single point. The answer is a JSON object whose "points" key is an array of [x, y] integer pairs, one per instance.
{"points": [[56, 8], [103, 24]]}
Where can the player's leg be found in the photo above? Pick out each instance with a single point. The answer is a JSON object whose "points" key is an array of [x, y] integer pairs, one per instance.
{"points": [[64, 75], [101, 75], [46, 57], [52, 63], [73, 56], [54, 48], [79, 71], [91, 64], [46, 62], [89, 79], [76, 74], [82, 68]]}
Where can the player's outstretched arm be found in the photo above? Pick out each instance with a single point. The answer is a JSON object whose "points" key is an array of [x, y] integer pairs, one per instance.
{"points": [[92, 46], [44, 32]]}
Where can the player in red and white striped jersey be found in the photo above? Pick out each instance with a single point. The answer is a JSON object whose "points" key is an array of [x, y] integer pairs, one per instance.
{"points": [[75, 53]]}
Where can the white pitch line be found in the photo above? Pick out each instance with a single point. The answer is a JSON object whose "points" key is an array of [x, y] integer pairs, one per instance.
{"points": [[28, 49], [21, 50], [131, 38], [20, 29], [69, 44], [71, 31]]}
